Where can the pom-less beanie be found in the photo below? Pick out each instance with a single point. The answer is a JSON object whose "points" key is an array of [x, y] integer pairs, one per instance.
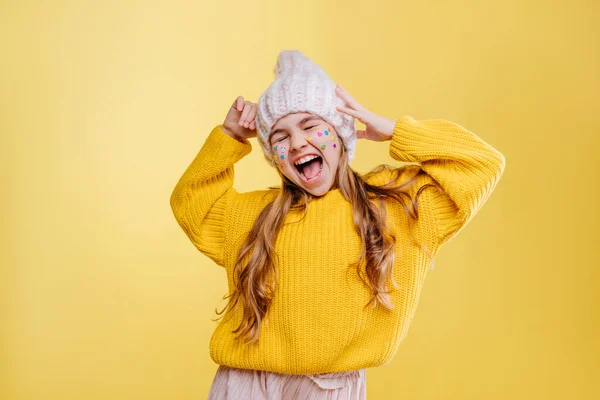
{"points": [[302, 86]]}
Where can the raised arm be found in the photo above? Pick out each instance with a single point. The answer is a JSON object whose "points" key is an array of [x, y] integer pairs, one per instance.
{"points": [[466, 167], [200, 198]]}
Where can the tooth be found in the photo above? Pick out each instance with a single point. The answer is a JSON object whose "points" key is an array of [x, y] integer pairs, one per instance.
{"points": [[306, 159]]}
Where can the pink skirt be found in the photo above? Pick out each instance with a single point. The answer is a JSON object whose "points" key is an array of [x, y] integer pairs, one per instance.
{"points": [[235, 383]]}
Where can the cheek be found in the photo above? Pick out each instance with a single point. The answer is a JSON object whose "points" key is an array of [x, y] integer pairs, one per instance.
{"points": [[326, 141], [279, 155]]}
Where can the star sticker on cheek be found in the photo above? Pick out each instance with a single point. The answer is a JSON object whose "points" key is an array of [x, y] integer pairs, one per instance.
{"points": [[308, 139]]}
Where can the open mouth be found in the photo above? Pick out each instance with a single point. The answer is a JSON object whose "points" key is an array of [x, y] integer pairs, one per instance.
{"points": [[309, 168]]}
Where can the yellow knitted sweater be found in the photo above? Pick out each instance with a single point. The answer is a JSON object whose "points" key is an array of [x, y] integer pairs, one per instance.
{"points": [[317, 322]]}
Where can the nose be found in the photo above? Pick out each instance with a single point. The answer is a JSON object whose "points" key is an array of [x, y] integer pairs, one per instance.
{"points": [[297, 142]]}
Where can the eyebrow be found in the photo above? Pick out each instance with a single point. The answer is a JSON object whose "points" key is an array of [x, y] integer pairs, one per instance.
{"points": [[302, 121]]}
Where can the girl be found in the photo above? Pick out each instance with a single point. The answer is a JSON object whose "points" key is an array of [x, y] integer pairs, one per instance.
{"points": [[308, 263]]}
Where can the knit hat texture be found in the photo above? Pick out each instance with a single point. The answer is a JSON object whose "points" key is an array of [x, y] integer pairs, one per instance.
{"points": [[302, 86]]}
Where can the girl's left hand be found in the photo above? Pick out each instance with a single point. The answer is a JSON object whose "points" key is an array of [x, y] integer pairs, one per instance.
{"points": [[377, 128]]}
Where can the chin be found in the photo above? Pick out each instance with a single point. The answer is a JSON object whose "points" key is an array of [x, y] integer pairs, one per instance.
{"points": [[317, 192]]}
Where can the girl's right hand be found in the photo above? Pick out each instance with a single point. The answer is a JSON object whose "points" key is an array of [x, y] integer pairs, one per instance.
{"points": [[240, 121]]}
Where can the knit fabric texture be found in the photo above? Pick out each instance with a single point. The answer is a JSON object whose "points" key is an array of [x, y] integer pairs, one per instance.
{"points": [[302, 86], [317, 322]]}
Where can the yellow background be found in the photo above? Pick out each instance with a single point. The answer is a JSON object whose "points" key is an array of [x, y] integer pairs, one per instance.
{"points": [[104, 105]]}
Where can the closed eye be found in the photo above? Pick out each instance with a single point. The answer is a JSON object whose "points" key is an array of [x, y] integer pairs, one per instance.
{"points": [[309, 128]]}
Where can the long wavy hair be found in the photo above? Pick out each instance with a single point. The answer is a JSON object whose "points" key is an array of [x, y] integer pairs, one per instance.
{"points": [[255, 282]]}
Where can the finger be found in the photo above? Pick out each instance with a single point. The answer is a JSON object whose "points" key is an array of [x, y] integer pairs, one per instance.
{"points": [[347, 97], [252, 116], [360, 134], [244, 117], [253, 112], [348, 111], [238, 103], [252, 125]]}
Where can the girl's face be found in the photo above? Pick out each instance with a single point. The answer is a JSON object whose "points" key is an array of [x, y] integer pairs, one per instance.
{"points": [[306, 150]]}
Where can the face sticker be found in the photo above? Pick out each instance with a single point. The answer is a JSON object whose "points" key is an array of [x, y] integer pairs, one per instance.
{"points": [[320, 133], [282, 156], [282, 149], [332, 138], [323, 147], [308, 139], [326, 132], [334, 146], [281, 166]]}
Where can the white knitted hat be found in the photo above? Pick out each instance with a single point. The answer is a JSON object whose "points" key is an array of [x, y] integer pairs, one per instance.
{"points": [[302, 86]]}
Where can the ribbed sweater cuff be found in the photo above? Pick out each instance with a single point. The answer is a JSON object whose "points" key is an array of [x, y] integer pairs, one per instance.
{"points": [[223, 145]]}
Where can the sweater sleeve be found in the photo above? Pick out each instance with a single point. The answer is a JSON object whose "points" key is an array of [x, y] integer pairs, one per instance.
{"points": [[200, 198], [464, 165]]}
